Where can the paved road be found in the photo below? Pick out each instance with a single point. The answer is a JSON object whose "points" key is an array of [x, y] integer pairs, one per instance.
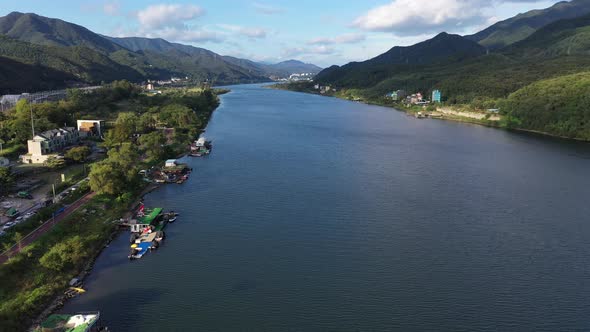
{"points": [[34, 235]]}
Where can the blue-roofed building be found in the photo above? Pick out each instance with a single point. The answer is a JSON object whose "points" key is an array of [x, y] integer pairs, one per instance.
{"points": [[436, 96]]}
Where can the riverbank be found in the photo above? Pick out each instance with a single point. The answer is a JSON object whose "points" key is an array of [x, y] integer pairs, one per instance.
{"points": [[492, 120], [34, 281]]}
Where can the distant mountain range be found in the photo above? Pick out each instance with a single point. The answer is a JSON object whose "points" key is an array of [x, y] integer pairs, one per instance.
{"points": [[62, 53]]}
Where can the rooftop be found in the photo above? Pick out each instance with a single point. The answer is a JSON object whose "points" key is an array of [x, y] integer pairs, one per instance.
{"points": [[69, 323], [150, 216]]}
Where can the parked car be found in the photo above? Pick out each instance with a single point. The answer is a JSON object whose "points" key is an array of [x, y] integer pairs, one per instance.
{"points": [[24, 194]]}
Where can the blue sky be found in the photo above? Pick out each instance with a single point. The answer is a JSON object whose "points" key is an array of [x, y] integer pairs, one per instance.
{"points": [[322, 32]]}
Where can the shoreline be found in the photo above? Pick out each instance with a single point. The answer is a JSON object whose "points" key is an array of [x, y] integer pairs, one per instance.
{"points": [[445, 118], [60, 299]]}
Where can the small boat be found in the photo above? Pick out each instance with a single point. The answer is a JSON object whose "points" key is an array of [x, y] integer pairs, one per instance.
{"points": [[173, 219]]}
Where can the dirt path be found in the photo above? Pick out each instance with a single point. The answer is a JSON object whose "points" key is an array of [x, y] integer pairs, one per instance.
{"points": [[45, 227]]}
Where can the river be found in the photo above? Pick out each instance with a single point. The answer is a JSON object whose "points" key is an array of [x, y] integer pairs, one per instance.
{"points": [[318, 214]]}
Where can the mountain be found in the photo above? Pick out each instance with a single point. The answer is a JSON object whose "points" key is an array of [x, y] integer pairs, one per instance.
{"points": [[278, 70], [560, 48], [185, 60], [293, 67], [517, 28], [248, 67], [443, 48], [46, 31], [81, 63], [73, 51], [30, 77], [89, 57], [564, 37]]}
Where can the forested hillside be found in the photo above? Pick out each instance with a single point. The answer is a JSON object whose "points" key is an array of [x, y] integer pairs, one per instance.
{"points": [[559, 106]]}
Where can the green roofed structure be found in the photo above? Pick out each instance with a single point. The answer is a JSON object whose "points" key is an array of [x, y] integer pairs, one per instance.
{"points": [[82, 322], [151, 215], [150, 218]]}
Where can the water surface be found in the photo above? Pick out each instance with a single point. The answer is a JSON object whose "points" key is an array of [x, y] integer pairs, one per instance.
{"points": [[317, 214]]}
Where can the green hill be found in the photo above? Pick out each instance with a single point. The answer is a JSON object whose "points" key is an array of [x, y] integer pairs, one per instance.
{"points": [[82, 63], [559, 106], [564, 37], [182, 60], [16, 77], [41, 30], [442, 49], [517, 28]]}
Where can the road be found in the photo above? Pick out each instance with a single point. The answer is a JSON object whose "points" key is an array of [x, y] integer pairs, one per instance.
{"points": [[45, 227]]}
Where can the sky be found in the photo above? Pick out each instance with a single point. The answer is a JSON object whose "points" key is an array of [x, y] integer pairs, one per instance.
{"points": [[324, 32]]}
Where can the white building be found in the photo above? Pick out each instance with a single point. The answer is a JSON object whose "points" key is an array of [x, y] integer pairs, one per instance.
{"points": [[47, 143]]}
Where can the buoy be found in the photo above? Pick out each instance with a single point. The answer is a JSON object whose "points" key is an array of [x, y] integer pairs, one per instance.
{"points": [[134, 245]]}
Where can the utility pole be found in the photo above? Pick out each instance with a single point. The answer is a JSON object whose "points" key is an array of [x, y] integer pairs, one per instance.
{"points": [[32, 120], [54, 193]]}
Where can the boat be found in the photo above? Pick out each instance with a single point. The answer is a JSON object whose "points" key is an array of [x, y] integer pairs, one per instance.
{"points": [[79, 322]]}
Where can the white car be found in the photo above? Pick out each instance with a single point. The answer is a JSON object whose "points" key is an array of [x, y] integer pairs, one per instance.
{"points": [[19, 219]]}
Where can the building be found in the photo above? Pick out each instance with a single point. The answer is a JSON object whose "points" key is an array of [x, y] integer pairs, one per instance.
{"points": [[47, 143], [170, 163], [436, 96], [398, 95], [90, 127], [415, 98]]}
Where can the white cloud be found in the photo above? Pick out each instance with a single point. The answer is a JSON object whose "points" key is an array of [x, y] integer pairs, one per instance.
{"points": [[250, 32], [186, 35], [267, 9], [112, 8], [411, 17], [298, 51], [349, 38], [168, 15]]}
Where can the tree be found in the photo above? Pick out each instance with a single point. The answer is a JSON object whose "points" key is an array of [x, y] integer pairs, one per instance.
{"points": [[106, 177], [78, 154], [125, 126], [6, 180], [153, 144], [64, 255], [54, 162], [178, 116]]}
